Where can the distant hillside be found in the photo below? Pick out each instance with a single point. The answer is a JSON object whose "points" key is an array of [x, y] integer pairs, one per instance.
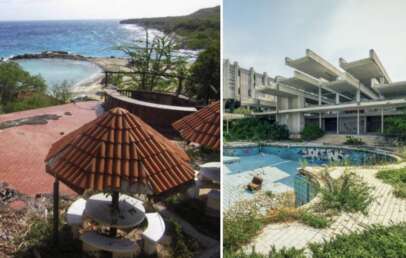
{"points": [[196, 30]]}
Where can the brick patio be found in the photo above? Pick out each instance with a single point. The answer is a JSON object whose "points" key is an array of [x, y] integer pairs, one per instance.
{"points": [[23, 148]]}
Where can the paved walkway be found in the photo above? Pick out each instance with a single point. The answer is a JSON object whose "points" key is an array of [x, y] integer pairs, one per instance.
{"points": [[23, 148], [386, 209]]}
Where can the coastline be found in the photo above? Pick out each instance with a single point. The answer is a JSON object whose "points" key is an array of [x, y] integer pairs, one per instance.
{"points": [[90, 87]]}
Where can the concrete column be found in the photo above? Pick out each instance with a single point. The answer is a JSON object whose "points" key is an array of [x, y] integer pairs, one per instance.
{"points": [[338, 113], [277, 103], [358, 131], [382, 121], [338, 122], [320, 121]]}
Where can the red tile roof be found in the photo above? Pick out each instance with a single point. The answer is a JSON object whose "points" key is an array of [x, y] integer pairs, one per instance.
{"points": [[202, 127], [118, 151]]}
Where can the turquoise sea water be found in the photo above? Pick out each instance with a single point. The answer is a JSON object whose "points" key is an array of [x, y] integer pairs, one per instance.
{"points": [[96, 38], [89, 37], [56, 71]]}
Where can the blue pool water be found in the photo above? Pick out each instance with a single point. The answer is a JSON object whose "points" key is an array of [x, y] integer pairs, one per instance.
{"points": [[277, 165], [56, 71]]}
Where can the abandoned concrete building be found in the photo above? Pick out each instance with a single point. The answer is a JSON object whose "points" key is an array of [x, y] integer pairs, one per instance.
{"points": [[352, 100]]}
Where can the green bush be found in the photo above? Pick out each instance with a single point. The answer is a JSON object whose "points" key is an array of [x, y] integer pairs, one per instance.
{"points": [[314, 220], [180, 244], [283, 253], [14, 81], [396, 178], [377, 241], [346, 193], [36, 100], [395, 127], [311, 132], [239, 227], [353, 140], [254, 129]]}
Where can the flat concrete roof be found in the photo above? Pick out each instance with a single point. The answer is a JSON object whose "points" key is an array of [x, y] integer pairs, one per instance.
{"points": [[308, 83], [366, 69], [314, 65], [391, 90], [341, 107]]}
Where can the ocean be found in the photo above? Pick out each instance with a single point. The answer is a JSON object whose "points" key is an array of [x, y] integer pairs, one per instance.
{"points": [[95, 38]]}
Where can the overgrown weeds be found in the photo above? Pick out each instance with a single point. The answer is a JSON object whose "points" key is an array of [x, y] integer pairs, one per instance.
{"points": [[346, 193], [396, 178]]}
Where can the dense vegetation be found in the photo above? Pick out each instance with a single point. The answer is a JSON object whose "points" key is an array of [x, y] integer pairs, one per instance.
{"points": [[21, 91], [397, 178], [346, 193], [350, 140], [255, 129], [204, 82], [196, 31], [376, 241], [311, 132], [395, 127]]}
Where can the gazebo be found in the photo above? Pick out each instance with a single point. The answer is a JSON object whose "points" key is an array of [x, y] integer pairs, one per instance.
{"points": [[117, 152], [202, 127]]}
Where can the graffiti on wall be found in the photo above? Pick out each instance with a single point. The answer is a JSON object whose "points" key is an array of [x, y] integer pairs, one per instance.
{"points": [[324, 154]]}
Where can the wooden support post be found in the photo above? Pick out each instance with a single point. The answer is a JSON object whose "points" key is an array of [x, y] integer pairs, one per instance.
{"points": [[56, 212], [115, 206]]}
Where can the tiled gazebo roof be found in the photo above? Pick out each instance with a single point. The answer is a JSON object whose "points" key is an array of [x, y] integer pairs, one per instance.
{"points": [[118, 151], [202, 127]]}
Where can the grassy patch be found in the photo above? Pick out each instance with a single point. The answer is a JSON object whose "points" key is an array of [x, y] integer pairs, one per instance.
{"points": [[396, 178], [346, 193], [240, 225], [283, 253], [375, 242], [35, 100], [292, 214]]}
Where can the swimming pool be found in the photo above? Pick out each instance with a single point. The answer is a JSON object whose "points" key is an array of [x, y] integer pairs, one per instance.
{"points": [[277, 165], [55, 70]]}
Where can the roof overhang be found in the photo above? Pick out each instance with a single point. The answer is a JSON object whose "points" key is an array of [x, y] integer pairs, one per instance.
{"points": [[314, 65], [366, 69], [391, 90]]}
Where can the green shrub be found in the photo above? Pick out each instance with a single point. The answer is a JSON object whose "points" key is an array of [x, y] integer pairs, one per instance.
{"points": [[239, 227], [180, 243], [14, 81], [353, 141], [314, 220], [254, 129], [311, 132], [346, 193], [283, 253], [377, 241], [396, 178], [36, 100], [395, 127]]}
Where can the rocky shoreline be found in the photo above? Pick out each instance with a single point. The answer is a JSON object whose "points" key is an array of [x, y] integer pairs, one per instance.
{"points": [[93, 86]]}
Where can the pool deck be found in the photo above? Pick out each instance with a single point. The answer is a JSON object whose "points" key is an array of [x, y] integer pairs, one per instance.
{"points": [[277, 174], [23, 148], [386, 209]]}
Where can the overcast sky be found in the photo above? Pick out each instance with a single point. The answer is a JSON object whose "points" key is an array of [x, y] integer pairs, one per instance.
{"points": [[262, 33], [97, 9]]}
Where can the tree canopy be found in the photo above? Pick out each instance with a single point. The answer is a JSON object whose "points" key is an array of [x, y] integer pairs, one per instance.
{"points": [[14, 80]]}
